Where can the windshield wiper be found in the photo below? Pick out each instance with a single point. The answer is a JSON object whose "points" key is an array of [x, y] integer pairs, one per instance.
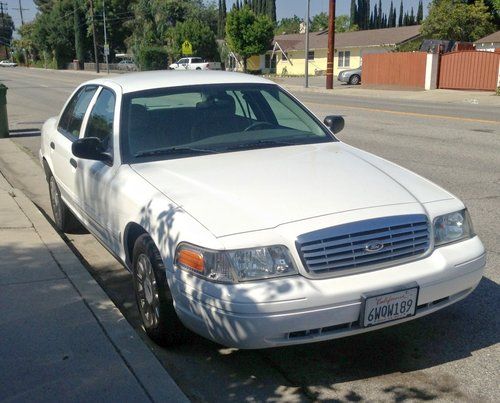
{"points": [[174, 150], [261, 144]]}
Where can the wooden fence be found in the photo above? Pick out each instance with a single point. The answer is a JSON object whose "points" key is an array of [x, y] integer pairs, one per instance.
{"points": [[402, 70]]}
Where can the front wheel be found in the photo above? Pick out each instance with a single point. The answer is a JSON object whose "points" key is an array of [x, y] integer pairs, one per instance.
{"points": [[153, 296], [63, 217], [354, 80]]}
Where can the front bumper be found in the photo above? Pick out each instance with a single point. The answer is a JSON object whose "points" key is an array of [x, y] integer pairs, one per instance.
{"points": [[343, 78], [297, 310]]}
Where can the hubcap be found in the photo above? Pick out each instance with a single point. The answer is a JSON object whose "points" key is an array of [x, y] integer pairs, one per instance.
{"points": [[147, 291]]}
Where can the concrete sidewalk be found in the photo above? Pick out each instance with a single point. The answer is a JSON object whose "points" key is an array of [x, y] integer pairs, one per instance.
{"points": [[317, 85], [61, 338]]}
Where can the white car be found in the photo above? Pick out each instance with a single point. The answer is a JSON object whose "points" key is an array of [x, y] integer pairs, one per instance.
{"points": [[243, 218], [7, 63], [194, 63]]}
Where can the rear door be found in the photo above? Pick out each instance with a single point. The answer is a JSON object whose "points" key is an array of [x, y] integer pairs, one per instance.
{"points": [[68, 130]]}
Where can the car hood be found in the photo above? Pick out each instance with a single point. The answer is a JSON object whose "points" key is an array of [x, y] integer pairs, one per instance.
{"points": [[244, 191]]}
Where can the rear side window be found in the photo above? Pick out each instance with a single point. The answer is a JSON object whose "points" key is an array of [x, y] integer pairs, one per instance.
{"points": [[100, 123], [72, 117]]}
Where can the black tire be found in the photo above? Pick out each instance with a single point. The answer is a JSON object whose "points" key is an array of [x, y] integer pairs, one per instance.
{"points": [[354, 79], [198, 68], [153, 296], [64, 219]]}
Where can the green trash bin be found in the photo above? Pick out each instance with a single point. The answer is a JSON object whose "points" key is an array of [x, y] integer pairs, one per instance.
{"points": [[4, 123]]}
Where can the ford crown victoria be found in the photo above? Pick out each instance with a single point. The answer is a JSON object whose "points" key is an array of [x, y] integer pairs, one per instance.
{"points": [[243, 218]]}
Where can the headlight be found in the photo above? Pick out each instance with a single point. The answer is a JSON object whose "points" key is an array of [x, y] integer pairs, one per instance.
{"points": [[452, 227], [236, 265]]}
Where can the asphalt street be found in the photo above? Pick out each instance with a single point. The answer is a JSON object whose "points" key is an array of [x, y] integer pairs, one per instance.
{"points": [[452, 355]]}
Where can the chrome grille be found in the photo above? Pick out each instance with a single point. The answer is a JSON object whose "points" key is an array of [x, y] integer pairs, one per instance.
{"points": [[363, 244]]}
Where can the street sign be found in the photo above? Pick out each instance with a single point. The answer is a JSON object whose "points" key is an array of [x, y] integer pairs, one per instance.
{"points": [[106, 50], [187, 48]]}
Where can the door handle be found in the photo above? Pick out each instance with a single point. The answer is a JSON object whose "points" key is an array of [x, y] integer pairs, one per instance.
{"points": [[73, 163], [52, 145]]}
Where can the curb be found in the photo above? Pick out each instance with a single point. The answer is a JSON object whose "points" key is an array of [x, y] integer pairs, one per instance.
{"points": [[150, 374]]}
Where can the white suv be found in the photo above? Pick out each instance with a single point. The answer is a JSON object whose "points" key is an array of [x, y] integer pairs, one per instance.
{"points": [[239, 212]]}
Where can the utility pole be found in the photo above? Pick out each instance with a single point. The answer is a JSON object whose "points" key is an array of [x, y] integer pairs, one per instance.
{"points": [[106, 45], [21, 9], [3, 27], [93, 35], [331, 46], [306, 70]]}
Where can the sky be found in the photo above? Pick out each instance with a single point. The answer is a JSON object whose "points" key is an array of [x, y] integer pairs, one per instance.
{"points": [[284, 8]]}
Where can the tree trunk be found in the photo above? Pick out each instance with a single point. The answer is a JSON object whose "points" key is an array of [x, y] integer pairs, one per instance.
{"points": [[245, 64]]}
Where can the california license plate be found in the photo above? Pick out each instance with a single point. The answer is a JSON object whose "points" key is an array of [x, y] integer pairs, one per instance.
{"points": [[389, 306]]}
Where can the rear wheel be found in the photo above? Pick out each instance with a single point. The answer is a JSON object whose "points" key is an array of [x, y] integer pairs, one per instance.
{"points": [[63, 217], [153, 296], [354, 80]]}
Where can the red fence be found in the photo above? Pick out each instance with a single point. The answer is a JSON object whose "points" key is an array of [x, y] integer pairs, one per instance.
{"points": [[405, 70], [469, 70]]}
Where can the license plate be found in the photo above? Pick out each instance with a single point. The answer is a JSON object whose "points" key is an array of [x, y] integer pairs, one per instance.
{"points": [[389, 306]]}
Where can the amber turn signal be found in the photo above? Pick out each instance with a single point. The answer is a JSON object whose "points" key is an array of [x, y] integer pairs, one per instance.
{"points": [[191, 259]]}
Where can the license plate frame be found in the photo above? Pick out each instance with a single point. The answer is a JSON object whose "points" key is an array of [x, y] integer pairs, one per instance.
{"points": [[398, 294]]}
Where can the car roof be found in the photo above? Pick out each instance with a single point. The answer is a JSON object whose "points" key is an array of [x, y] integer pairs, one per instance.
{"points": [[170, 78]]}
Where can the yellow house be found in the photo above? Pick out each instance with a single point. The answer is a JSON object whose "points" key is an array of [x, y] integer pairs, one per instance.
{"points": [[288, 54]]}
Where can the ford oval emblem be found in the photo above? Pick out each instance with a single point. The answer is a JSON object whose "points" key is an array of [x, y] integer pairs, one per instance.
{"points": [[375, 246]]}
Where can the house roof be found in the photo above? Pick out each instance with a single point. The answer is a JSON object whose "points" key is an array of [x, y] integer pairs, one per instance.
{"points": [[373, 37], [494, 37]]}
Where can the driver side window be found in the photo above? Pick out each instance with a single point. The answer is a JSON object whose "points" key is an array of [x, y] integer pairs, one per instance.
{"points": [[72, 117], [100, 123]]}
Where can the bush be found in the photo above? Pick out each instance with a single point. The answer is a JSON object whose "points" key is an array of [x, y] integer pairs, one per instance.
{"points": [[152, 58], [498, 90]]}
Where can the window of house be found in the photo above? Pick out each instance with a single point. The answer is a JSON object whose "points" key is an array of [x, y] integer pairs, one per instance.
{"points": [[310, 55], [270, 63], [344, 58]]}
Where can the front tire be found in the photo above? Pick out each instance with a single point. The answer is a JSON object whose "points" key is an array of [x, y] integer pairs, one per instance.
{"points": [[153, 297], [64, 219], [354, 80]]}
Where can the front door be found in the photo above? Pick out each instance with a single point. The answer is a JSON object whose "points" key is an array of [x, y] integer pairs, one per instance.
{"points": [[94, 182]]}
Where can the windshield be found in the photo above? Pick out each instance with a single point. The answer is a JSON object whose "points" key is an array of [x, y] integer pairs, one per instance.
{"points": [[181, 122]]}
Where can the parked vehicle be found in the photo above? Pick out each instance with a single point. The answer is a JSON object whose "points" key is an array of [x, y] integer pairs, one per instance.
{"points": [[7, 63], [127, 65], [243, 217], [194, 63], [352, 76]]}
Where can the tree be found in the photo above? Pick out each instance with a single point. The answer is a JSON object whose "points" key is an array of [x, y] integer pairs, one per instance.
{"points": [[319, 22], [343, 24], [354, 11], [420, 12], [6, 30], [493, 9], [198, 33], [400, 23], [288, 26], [455, 20], [271, 10], [248, 34], [221, 20]]}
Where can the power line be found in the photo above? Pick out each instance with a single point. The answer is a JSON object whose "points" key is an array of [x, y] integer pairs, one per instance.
{"points": [[21, 9]]}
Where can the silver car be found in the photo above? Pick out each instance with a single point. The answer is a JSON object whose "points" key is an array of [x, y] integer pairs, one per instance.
{"points": [[352, 76]]}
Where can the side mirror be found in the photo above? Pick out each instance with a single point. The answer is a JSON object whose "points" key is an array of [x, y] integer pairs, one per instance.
{"points": [[90, 148], [335, 123]]}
